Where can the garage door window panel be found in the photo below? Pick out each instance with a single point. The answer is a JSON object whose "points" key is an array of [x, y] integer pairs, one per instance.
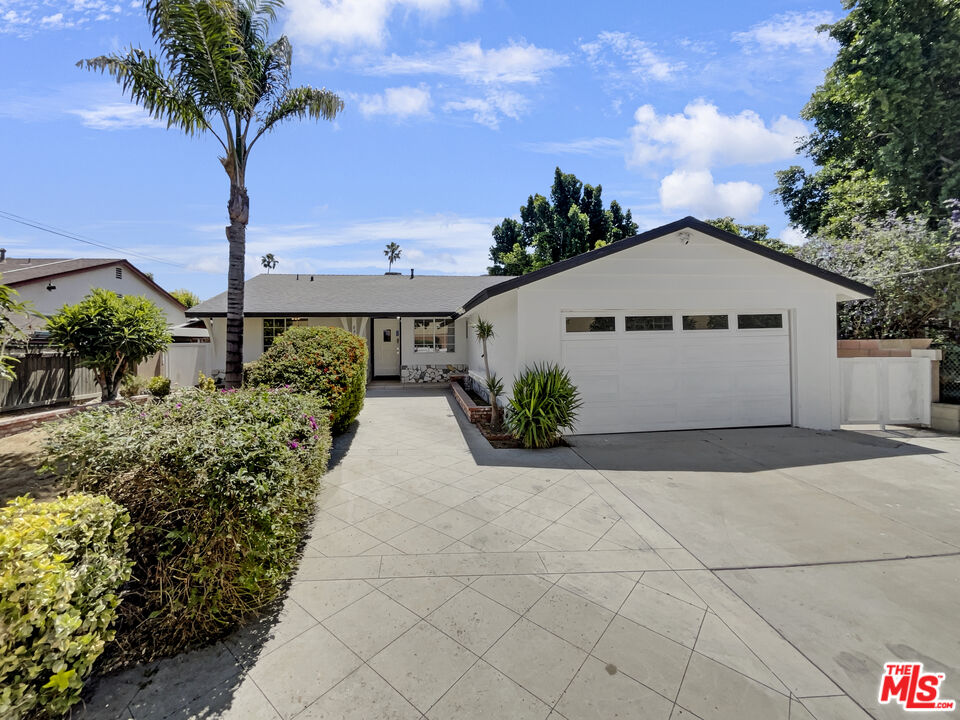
{"points": [[706, 322], [760, 321], [649, 323], [591, 324]]}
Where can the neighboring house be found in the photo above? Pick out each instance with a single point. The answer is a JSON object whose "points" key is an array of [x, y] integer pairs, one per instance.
{"points": [[50, 283], [684, 326]]}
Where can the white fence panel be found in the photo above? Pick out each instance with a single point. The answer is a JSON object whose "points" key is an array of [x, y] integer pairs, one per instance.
{"points": [[183, 362], [885, 390]]}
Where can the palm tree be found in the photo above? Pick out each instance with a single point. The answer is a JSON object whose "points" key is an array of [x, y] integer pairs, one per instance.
{"points": [[215, 67], [484, 332], [393, 253], [269, 262]]}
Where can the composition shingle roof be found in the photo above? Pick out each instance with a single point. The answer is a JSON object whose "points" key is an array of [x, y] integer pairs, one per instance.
{"points": [[21, 270], [388, 295]]}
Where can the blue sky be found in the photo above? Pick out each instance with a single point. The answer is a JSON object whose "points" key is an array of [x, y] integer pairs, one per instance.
{"points": [[456, 110]]}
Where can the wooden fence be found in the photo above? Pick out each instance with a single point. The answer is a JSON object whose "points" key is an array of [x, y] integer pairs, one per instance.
{"points": [[46, 377]]}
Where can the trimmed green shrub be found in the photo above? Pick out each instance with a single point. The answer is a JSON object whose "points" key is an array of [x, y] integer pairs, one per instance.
{"points": [[220, 486], [328, 361], [61, 565], [158, 386], [544, 402], [132, 385]]}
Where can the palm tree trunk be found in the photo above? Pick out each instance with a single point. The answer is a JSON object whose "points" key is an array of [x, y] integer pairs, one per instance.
{"points": [[239, 209]]}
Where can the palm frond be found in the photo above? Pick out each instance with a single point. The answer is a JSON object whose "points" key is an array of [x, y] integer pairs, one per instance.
{"points": [[302, 102], [141, 77]]}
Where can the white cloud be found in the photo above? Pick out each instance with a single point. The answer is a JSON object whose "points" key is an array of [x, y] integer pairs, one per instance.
{"points": [[594, 147], [790, 31], [438, 243], [399, 102], [26, 17], [702, 136], [614, 49], [793, 236], [357, 22], [515, 63], [490, 109], [695, 191], [116, 116]]}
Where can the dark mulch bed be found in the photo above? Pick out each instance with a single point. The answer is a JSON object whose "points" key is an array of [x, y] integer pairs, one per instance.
{"points": [[498, 437]]}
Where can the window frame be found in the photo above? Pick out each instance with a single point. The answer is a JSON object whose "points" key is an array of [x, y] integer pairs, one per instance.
{"points": [[449, 344], [588, 314], [773, 330], [660, 315], [718, 313], [289, 322]]}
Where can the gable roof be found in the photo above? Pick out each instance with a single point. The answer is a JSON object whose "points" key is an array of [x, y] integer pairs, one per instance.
{"points": [[286, 295], [687, 223], [20, 271]]}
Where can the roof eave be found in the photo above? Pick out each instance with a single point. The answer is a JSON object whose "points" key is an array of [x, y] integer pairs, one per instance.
{"points": [[688, 222]]}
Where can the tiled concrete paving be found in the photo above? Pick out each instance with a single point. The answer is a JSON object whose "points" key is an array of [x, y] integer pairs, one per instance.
{"points": [[443, 579]]}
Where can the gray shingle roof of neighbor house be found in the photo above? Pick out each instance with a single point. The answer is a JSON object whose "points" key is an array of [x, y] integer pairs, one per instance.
{"points": [[688, 222], [278, 295], [20, 271]]}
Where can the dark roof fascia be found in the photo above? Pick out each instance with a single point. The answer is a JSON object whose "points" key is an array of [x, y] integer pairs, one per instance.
{"points": [[120, 261], [690, 223], [404, 313]]}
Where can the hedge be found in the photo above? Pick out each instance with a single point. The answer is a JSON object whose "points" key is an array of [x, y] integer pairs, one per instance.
{"points": [[324, 360], [219, 485], [62, 563]]}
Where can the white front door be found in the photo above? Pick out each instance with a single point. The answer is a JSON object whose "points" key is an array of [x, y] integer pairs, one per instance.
{"points": [[386, 346], [673, 370]]}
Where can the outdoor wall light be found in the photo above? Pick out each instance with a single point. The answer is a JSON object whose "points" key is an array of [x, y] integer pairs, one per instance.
{"points": [[51, 287]]}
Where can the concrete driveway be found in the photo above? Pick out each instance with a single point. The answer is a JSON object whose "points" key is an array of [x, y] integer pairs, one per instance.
{"points": [[759, 574], [846, 543]]}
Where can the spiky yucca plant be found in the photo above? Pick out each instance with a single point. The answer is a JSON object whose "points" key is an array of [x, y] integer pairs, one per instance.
{"points": [[544, 402], [216, 71]]}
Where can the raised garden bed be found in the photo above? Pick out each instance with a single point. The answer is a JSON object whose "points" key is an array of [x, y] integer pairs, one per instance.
{"points": [[475, 412], [478, 412]]}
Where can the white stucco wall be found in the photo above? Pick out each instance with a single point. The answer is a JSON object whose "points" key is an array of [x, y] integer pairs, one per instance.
{"points": [[705, 274], [501, 311], [71, 289]]}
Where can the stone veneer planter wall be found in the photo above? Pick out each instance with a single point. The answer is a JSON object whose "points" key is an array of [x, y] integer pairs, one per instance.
{"points": [[429, 373]]}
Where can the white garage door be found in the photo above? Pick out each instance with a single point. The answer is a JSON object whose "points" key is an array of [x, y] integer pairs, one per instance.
{"points": [[640, 371]]}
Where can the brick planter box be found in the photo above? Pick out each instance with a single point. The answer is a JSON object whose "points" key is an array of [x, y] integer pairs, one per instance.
{"points": [[475, 413]]}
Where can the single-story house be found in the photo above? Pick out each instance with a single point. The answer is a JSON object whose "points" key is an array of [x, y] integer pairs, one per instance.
{"points": [[683, 326], [50, 283]]}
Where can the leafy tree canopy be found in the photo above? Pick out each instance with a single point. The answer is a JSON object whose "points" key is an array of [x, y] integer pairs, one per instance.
{"points": [[572, 221], [885, 132], [913, 269], [110, 334], [11, 310], [186, 297], [757, 233]]}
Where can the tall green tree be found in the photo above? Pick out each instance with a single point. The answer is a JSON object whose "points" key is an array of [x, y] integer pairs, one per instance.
{"points": [[185, 297], [13, 314], [886, 136], [759, 234], [216, 70], [110, 334], [572, 221], [914, 269]]}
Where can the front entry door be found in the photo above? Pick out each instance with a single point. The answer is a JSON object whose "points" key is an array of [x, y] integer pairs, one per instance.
{"points": [[386, 347]]}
